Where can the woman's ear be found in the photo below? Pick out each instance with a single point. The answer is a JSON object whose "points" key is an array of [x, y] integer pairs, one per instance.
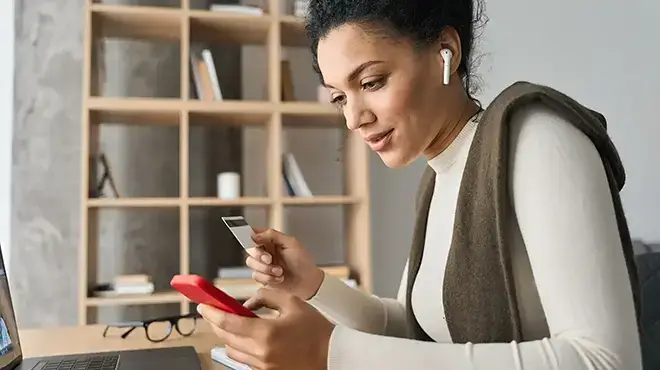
{"points": [[450, 45], [446, 60]]}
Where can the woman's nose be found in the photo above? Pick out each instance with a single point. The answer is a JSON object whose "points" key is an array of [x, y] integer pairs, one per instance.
{"points": [[357, 115]]}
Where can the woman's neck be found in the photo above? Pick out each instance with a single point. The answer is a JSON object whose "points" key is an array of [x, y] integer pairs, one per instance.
{"points": [[447, 134]]}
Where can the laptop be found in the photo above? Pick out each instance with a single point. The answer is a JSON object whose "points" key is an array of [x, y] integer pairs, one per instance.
{"points": [[11, 356]]}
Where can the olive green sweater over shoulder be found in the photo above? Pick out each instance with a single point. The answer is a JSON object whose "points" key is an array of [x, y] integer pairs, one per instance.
{"points": [[478, 292]]}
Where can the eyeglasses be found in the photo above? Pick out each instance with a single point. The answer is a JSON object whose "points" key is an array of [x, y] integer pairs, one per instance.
{"points": [[159, 329]]}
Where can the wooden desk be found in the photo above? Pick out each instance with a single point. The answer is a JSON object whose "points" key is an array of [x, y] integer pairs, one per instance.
{"points": [[80, 339]]}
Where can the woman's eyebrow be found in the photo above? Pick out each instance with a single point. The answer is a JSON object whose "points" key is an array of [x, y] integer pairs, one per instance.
{"points": [[357, 70]]}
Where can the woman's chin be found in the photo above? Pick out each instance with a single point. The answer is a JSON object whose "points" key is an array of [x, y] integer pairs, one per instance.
{"points": [[393, 159]]}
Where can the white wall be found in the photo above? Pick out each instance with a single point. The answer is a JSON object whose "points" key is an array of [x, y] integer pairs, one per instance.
{"points": [[6, 122], [600, 52]]}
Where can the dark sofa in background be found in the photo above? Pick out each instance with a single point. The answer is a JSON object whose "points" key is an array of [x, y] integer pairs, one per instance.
{"points": [[647, 258]]}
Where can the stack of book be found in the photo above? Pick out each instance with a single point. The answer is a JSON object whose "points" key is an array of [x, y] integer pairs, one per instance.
{"points": [[123, 285], [133, 284]]}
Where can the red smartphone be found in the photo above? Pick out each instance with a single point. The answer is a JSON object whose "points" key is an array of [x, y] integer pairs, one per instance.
{"points": [[202, 291]]}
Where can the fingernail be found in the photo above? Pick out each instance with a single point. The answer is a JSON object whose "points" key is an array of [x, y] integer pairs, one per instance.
{"points": [[199, 309], [277, 270], [266, 258]]}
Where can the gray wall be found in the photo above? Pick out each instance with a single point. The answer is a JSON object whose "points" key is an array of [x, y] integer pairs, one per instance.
{"points": [[46, 161], [144, 159], [600, 53], [6, 127]]}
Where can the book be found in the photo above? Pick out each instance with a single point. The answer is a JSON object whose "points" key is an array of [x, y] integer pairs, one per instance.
{"points": [[205, 77], [213, 75], [294, 176], [240, 9]]}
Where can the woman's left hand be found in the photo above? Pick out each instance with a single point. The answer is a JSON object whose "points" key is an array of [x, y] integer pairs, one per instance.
{"points": [[297, 338]]}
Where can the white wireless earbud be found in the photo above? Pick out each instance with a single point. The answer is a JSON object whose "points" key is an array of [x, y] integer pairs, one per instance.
{"points": [[446, 56]]}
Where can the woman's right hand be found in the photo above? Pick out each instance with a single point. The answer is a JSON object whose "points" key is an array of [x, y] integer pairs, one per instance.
{"points": [[281, 262]]}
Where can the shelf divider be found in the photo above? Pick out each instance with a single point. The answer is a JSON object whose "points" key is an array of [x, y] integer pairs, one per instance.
{"points": [[274, 146]]}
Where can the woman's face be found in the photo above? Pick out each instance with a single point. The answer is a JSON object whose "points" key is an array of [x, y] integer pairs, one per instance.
{"points": [[389, 93]]}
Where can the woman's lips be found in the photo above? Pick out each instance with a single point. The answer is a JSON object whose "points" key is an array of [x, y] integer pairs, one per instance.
{"points": [[380, 142]]}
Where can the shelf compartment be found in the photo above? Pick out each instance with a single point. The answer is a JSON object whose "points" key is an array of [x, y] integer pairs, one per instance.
{"points": [[135, 111], [307, 114], [319, 200], [133, 202], [229, 28], [137, 299], [242, 113], [217, 202], [137, 22], [321, 229], [292, 31]]}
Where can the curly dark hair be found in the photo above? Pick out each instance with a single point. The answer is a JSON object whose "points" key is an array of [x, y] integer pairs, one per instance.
{"points": [[421, 21]]}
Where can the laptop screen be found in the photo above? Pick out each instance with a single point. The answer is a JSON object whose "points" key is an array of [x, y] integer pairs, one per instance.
{"points": [[10, 348]]}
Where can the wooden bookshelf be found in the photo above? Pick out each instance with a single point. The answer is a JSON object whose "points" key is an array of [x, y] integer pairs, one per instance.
{"points": [[185, 26]]}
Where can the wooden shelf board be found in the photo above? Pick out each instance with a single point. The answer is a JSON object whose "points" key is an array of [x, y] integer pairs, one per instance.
{"points": [[319, 200], [137, 22], [133, 202], [292, 31], [166, 111], [231, 112], [135, 111], [228, 28], [216, 202], [137, 299], [310, 114]]}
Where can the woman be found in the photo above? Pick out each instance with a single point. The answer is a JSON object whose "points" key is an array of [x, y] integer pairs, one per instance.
{"points": [[526, 258]]}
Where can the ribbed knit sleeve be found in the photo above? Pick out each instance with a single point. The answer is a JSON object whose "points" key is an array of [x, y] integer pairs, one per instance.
{"points": [[565, 213], [353, 308]]}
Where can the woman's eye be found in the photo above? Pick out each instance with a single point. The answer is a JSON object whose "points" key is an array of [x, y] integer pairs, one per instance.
{"points": [[372, 85], [339, 99]]}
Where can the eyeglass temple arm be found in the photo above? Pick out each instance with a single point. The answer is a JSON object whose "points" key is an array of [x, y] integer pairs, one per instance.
{"points": [[131, 325], [127, 332]]}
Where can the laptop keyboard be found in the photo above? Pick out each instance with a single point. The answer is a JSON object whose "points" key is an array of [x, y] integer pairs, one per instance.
{"points": [[81, 363]]}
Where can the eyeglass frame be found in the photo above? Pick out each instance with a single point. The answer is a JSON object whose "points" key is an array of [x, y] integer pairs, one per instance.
{"points": [[173, 321]]}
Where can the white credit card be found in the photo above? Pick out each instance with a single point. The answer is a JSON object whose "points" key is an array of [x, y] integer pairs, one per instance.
{"points": [[219, 354], [241, 230]]}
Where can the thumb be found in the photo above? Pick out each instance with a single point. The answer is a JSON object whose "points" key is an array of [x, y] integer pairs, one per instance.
{"points": [[274, 237], [253, 304], [269, 298], [258, 230]]}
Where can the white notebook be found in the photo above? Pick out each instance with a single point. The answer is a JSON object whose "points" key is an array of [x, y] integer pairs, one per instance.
{"points": [[218, 354]]}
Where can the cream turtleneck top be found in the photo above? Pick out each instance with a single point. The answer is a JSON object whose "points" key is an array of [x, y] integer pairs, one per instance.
{"points": [[564, 241]]}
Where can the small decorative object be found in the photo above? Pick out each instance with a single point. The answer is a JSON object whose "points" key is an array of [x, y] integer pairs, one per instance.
{"points": [[300, 8], [97, 190], [229, 185]]}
